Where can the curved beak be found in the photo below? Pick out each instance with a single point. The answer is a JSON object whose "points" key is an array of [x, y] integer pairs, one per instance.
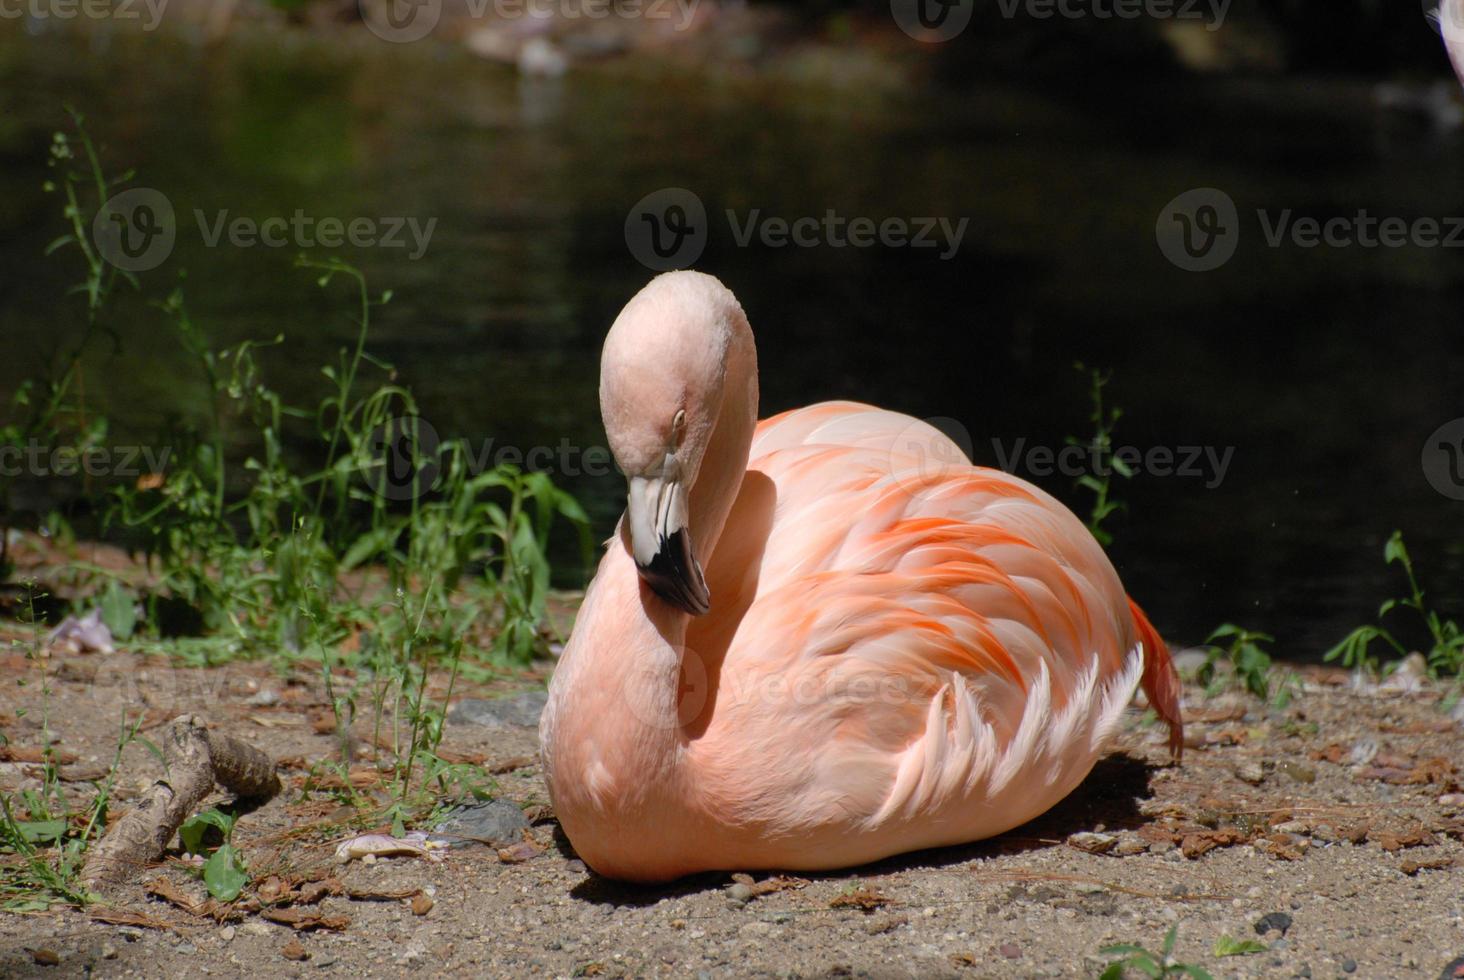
{"points": [[661, 540]]}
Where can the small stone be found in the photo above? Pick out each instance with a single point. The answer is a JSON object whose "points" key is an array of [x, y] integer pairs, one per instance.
{"points": [[496, 821], [227, 934], [678, 923], [520, 711], [1297, 772], [1291, 827], [1250, 771], [1273, 922], [1161, 847], [575, 866], [256, 928], [321, 962], [1010, 951], [1349, 966], [1452, 799], [109, 952], [1280, 944], [421, 903], [740, 893], [264, 699], [1130, 846], [1089, 888], [293, 950], [1304, 972], [1092, 843], [46, 957]]}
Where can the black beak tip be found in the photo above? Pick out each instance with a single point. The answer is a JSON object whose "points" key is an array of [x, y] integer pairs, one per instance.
{"points": [[674, 575]]}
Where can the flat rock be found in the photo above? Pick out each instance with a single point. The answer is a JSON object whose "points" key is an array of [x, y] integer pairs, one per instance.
{"points": [[521, 710], [493, 822]]}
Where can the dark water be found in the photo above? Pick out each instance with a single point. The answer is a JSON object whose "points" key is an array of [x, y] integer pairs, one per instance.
{"points": [[1321, 371]]}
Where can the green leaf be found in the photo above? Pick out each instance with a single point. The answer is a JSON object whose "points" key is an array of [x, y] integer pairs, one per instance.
{"points": [[1169, 938], [194, 828], [1114, 971], [119, 610], [1394, 550], [41, 831], [1227, 946], [224, 874]]}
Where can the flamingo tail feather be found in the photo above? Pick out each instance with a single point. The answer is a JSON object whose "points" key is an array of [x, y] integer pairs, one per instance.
{"points": [[1160, 680]]}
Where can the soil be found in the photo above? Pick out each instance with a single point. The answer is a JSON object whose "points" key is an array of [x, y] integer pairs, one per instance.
{"points": [[1338, 816]]}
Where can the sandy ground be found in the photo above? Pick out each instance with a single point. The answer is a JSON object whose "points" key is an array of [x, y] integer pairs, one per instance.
{"points": [[1342, 811]]}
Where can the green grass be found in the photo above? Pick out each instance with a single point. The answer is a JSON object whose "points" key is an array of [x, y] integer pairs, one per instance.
{"points": [[302, 554], [1445, 653]]}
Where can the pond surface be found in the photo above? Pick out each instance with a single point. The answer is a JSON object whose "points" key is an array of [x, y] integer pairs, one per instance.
{"points": [[1315, 374]]}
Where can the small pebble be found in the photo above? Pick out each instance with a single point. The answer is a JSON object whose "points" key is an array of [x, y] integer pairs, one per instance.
{"points": [[739, 893], [45, 957], [1349, 966], [227, 934], [1010, 950], [1273, 922], [1251, 772]]}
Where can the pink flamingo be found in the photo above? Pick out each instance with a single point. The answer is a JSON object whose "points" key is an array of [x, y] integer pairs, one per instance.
{"points": [[821, 639]]}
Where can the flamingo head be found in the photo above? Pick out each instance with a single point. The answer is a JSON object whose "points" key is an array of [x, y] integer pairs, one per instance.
{"points": [[662, 374]]}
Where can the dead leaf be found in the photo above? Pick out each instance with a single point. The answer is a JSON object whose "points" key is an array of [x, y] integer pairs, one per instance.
{"points": [[302, 920], [1396, 841], [864, 899], [510, 765], [313, 891], [779, 883], [1203, 842], [1091, 843], [322, 723], [1411, 867], [421, 903], [519, 853], [292, 950], [274, 890]]}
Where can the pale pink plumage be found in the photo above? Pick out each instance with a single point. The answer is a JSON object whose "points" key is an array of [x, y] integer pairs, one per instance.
{"points": [[903, 650]]}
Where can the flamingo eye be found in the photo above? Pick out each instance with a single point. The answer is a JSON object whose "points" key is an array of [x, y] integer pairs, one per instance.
{"points": [[678, 427]]}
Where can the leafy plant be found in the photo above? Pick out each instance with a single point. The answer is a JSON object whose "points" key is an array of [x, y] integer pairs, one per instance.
{"points": [[1228, 946], [49, 412], [1446, 651], [1250, 666], [1100, 446], [1145, 963], [46, 836], [223, 873]]}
